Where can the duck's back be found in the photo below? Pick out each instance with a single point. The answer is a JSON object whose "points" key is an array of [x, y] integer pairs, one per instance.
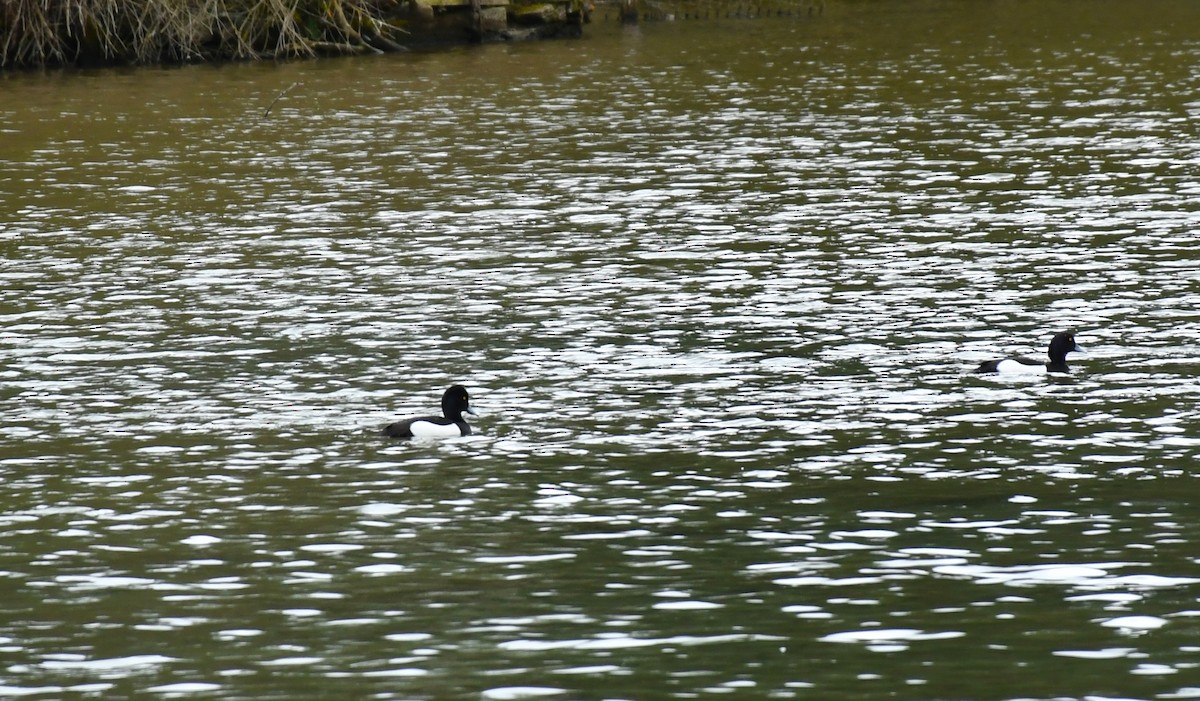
{"points": [[427, 427], [1012, 365]]}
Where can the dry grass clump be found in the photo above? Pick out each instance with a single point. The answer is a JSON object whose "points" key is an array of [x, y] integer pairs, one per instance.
{"points": [[52, 32]]}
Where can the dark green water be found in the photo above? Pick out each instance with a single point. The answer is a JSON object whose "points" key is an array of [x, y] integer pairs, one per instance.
{"points": [[716, 288]]}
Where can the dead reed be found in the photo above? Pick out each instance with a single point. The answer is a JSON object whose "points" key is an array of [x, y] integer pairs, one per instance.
{"points": [[57, 32]]}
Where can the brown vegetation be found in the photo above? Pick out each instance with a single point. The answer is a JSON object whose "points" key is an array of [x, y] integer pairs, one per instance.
{"points": [[54, 32]]}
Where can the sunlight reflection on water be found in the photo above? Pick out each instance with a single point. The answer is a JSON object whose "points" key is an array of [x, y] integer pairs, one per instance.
{"points": [[719, 326]]}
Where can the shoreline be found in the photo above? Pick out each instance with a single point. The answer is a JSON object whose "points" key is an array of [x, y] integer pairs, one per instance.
{"points": [[91, 33], [87, 33]]}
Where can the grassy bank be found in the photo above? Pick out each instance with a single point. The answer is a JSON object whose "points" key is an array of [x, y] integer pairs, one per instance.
{"points": [[63, 32], [37, 33]]}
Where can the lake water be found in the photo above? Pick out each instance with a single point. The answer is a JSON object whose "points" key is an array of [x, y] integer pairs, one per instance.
{"points": [[716, 288]]}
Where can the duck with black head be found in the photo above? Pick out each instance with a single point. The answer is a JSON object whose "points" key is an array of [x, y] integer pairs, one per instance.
{"points": [[455, 401], [1062, 343]]}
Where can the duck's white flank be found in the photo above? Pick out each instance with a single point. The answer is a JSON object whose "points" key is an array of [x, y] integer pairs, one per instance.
{"points": [[1009, 365], [428, 429]]}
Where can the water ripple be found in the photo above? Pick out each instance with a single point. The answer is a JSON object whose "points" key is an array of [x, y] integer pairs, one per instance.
{"points": [[717, 291]]}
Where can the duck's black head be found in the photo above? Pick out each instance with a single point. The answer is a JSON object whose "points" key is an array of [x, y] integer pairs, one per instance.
{"points": [[455, 401], [1063, 343]]}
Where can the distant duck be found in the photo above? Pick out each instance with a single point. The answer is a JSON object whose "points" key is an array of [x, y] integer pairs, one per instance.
{"points": [[1060, 345], [454, 402]]}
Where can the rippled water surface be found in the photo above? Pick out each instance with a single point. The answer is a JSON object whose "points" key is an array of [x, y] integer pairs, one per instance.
{"points": [[716, 287]]}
